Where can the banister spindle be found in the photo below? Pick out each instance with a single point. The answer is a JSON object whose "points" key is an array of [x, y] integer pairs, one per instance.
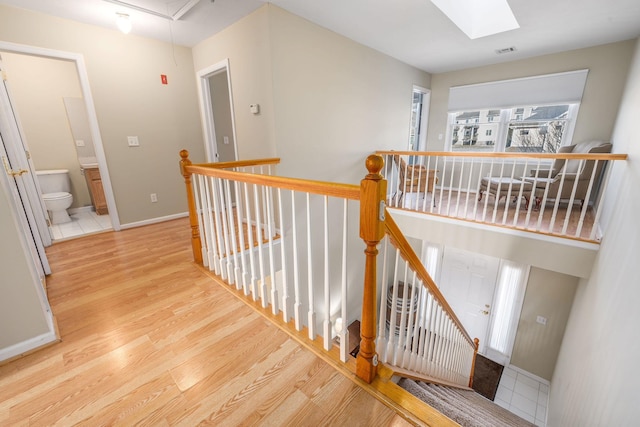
{"points": [[196, 244], [373, 189]]}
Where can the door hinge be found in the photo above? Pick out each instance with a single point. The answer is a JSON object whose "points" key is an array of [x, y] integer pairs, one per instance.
{"points": [[4, 75], [28, 154]]}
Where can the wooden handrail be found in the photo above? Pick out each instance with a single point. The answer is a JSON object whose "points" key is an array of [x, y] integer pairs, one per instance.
{"points": [[408, 254], [347, 191], [513, 155], [240, 163]]}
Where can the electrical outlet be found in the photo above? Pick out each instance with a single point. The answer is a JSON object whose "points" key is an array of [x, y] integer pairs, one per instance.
{"points": [[79, 143], [133, 141], [154, 197], [541, 320]]}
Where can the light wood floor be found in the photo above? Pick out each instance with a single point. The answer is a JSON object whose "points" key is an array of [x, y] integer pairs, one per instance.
{"points": [[149, 339]]}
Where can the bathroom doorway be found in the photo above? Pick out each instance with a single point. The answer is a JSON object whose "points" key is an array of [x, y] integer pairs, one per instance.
{"points": [[54, 85]]}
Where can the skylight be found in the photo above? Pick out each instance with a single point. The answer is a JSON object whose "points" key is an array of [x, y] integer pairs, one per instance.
{"points": [[479, 18]]}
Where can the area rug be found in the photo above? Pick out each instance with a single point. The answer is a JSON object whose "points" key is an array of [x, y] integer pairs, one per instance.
{"points": [[486, 377]]}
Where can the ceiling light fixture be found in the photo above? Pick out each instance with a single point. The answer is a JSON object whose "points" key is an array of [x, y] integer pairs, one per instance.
{"points": [[123, 22], [479, 18]]}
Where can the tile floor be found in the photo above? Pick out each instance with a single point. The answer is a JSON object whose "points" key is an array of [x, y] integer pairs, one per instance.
{"points": [[82, 222], [523, 394]]}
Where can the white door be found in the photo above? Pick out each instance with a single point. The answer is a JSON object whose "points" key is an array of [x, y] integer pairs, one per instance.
{"points": [[15, 158], [468, 282]]}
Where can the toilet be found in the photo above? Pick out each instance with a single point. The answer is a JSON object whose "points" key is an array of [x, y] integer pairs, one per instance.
{"points": [[56, 187]]}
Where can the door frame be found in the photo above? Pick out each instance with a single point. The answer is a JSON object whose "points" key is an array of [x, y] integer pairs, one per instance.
{"points": [[206, 111], [83, 77], [423, 120]]}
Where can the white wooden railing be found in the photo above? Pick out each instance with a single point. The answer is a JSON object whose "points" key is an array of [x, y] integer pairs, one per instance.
{"points": [[286, 243], [418, 332], [512, 190], [293, 246]]}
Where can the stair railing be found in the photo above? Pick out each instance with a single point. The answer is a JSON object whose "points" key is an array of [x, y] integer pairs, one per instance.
{"points": [[513, 190], [290, 244], [418, 334]]}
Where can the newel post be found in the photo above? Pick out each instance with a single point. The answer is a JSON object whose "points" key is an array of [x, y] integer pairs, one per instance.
{"points": [[373, 190], [196, 245], [476, 343]]}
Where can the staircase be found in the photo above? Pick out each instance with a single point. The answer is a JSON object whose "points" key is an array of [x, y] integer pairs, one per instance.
{"points": [[466, 407]]}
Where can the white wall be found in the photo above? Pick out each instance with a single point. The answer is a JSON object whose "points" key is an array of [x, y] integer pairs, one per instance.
{"points": [[596, 378]]}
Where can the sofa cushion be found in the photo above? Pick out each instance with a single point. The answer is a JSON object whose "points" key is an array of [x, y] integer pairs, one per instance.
{"points": [[586, 147]]}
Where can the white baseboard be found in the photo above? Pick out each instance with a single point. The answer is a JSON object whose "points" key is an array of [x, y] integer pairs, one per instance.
{"points": [[27, 346], [154, 220]]}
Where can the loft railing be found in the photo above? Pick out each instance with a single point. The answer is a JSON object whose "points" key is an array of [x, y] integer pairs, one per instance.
{"points": [[292, 246], [525, 191]]}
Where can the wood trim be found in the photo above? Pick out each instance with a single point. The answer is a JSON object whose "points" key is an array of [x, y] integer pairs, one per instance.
{"points": [[505, 227], [548, 156], [407, 253], [424, 378], [332, 189]]}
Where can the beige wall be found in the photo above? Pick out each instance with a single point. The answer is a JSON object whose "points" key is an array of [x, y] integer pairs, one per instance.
{"points": [[335, 100], [608, 67], [38, 86], [595, 381], [536, 347], [246, 45], [124, 75], [326, 101], [21, 314]]}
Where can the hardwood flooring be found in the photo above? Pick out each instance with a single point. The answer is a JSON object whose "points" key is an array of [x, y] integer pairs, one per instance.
{"points": [[149, 339]]}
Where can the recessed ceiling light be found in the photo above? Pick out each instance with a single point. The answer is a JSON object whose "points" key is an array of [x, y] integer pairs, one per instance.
{"points": [[479, 18]]}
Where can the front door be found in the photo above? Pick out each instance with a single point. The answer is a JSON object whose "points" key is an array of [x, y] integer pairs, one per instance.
{"points": [[468, 282]]}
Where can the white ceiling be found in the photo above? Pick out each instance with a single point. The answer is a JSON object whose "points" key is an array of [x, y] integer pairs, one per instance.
{"points": [[413, 31]]}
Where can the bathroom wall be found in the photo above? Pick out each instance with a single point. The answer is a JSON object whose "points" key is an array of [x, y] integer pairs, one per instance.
{"points": [[38, 87]]}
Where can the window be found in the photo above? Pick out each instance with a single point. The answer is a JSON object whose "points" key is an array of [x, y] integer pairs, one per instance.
{"points": [[419, 114], [507, 303], [541, 129], [534, 113]]}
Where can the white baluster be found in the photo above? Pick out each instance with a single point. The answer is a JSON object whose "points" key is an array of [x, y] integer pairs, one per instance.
{"points": [[297, 307], [344, 331], [254, 279], [286, 303], [327, 291], [311, 315], [259, 237], [271, 233]]}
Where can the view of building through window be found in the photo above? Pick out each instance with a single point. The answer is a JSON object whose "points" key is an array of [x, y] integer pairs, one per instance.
{"points": [[530, 128]]}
